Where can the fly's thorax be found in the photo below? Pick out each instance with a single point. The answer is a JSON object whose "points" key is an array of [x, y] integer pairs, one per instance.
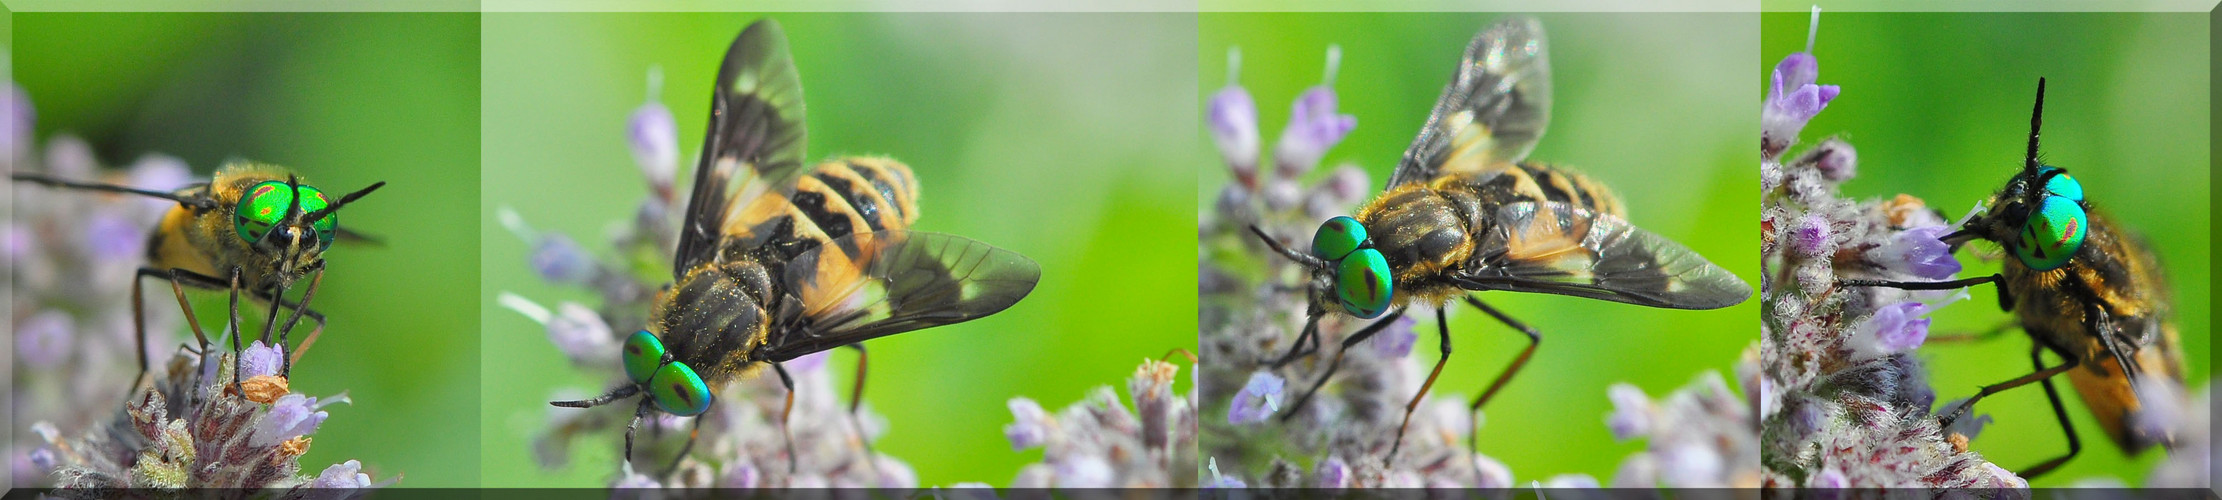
{"points": [[1420, 230], [714, 317]]}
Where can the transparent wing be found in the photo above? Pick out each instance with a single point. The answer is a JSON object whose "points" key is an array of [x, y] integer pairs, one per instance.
{"points": [[1493, 111], [755, 141], [1551, 247], [898, 281]]}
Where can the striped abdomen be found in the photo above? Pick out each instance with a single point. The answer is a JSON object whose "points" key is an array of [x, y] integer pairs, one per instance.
{"points": [[832, 200]]}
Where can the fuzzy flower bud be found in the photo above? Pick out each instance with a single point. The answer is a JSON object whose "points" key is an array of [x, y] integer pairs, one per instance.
{"points": [[1892, 329]]}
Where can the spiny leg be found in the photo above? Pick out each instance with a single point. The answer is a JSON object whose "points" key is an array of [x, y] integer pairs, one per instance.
{"points": [[2067, 362], [1535, 338], [1354, 339], [639, 413], [139, 317], [237, 351], [278, 301], [786, 430], [2060, 412], [1299, 349], [696, 432], [1442, 328]]}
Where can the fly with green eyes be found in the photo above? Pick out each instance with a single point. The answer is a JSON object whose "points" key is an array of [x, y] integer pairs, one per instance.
{"points": [[254, 228], [776, 260], [1465, 213], [2091, 293]]}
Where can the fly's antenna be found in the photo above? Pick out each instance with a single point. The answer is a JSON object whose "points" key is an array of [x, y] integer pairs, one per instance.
{"points": [[344, 200], [2036, 119]]}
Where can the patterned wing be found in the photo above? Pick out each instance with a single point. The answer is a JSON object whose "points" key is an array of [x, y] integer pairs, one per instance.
{"points": [[755, 141], [1551, 247], [895, 282], [1493, 111]]}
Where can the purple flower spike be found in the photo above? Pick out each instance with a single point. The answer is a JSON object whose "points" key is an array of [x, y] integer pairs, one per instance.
{"points": [[580, 333], [558, 259], [1631, 415], [1918, 252], [43, 340], [1396, 340], [1794, 99], [293, 416], [1259, 398], [1234, 127], [1313, 127], [1030, 424], [260, 359], [741, 476], [1892, 329], [655, 141]]}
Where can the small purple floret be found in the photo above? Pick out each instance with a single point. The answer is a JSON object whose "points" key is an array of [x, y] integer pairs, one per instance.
{"points": [[260, 359], [655, 142], [558, 259], [1631, 415], [1918, 252], [1259, 398], [1233, 118], [293, 416], [43, 340], [1030, 424], [1396, 340], [1313, 128], [1894, 328]]}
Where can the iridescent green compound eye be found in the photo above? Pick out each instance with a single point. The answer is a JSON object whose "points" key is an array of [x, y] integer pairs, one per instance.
{"points": [[1362, 283], [678, 391], [2062, 185], [643, 353], [2053, 233], [265, 204], [1338, 237]]}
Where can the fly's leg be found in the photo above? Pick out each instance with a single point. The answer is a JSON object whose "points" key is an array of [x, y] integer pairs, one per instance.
{"points": [[1535, 338], [2059, 411], [1442, 328], [786, 429], [1354, 339]]}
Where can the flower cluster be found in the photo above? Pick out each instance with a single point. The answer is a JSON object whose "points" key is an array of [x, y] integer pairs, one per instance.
{"points": [[1843, 403], [1701, 436], [1099, 443], [72, 256], [743, 440]]}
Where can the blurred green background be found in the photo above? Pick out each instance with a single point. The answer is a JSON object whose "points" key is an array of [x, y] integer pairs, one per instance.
{"points": [[1646, 103], [1062, 137], [1938, 107], [346, 100]]}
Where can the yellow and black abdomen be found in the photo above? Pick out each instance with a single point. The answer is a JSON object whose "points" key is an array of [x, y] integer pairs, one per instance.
{"points": [[832, 200]]}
